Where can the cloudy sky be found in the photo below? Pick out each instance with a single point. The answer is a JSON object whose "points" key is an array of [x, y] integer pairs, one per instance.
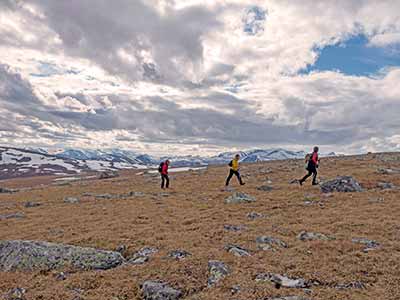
{"points": [[200, 76]]}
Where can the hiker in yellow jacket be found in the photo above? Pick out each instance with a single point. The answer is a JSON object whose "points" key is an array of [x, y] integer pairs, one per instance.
{"points": [[234, 170]]}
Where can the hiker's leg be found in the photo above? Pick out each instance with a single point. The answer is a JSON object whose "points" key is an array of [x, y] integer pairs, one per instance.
{"points": [[315, 173], [162, 181], [167, 179], [306, 176], [229, 177], [239, 177]]}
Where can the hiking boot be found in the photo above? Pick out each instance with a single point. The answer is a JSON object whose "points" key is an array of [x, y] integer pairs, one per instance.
{"points": [[300, 182]]}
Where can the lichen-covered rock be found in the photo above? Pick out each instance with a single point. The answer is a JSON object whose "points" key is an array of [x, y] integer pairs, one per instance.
{"points": [[283, 281], [312, 236], [218, 271], [34, 256], [237, 251], [239, 197], [341, 184], [269, 243], [158, 290]]}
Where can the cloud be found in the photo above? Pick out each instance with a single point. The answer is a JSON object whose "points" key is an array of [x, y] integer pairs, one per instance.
{"points": [[194, 74]]}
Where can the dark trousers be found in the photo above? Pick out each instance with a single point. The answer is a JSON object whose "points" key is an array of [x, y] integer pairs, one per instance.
{"points": [[164, 181], [231, 173], [312, 170]]}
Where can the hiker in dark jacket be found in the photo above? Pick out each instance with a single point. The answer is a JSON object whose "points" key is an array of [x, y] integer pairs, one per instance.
{"points": [[312, 161], [234, 170], [164, 174]]}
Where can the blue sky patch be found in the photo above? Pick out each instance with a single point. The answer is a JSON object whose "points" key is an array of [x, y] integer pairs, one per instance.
{"points": [[355, 57]]}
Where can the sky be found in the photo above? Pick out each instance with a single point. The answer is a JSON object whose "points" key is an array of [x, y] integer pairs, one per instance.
{"points": [[200, 76]]}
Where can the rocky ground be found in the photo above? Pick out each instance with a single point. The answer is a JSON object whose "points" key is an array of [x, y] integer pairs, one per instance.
{"points": [[123, 238]]}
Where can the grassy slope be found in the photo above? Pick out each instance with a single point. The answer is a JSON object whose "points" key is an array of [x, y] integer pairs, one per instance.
{"points": [[192, 218]]}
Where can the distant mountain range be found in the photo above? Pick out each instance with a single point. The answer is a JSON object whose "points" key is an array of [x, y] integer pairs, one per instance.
{"points": [[24, 162]]}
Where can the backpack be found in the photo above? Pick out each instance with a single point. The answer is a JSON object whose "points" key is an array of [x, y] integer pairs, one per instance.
{"points": [[160, 167], [308, 157], [230, 163]]}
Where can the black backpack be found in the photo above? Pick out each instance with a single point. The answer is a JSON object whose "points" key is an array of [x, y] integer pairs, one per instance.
{"points": [[230, 163], [160, 167]]}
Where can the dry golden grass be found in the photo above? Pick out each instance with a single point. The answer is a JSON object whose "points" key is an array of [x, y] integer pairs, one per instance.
{"points": [[192, 218]]}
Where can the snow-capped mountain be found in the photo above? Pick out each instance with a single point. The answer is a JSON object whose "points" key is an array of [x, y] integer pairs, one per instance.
{"points": [[16, 162]]}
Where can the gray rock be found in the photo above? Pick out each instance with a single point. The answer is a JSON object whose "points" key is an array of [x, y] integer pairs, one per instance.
{"points": [[235, 289], [389, 171], [312, 236], [142, 256], [283, 281], [234, 228], [386, 185], [265, 188], [237, 251], [269, 243], [34, 256], [30, 204], [239, 197], [218, 271], [16, 294], [72, 200], [179, 254], [341, 184], [7, 191], [17, 215], [352, 285], [61, 276], [108, 174], [106, 196], [369, 244], [135, 194], [158, 290], [289, 298], [254, 215]]}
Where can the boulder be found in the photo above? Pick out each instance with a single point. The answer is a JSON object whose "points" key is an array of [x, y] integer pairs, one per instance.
{"points": [[239, 197], [269, 243], [36, 256], [283, 281], [218, 271], [341, 184], [158, 290], [312, 236], [237, 251]]}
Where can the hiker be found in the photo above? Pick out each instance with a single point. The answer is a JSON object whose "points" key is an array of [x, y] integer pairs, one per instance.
{"points": [[234, 170], [312, 162], [163, 169]]}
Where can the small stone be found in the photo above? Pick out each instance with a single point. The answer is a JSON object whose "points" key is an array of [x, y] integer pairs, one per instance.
{"points": [[289, 298], [30, 204], [269, 243], [311, 236], [105, 196], [142, 256], [237, 251], [352, 285], [158, 290], [234, 228], [239, 197], [265, 188], [108, 174], [254, 215], [235, 289], [179, 254], [140, 260], [16, 294], [369, 244], [17, 215], [283, 281], [61, 276], [71, 200], [386, 185], [218, 271]]}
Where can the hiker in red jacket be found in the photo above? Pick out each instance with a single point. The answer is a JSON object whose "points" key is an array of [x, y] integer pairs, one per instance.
{"points": [[163, 169], [312, 161]]}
